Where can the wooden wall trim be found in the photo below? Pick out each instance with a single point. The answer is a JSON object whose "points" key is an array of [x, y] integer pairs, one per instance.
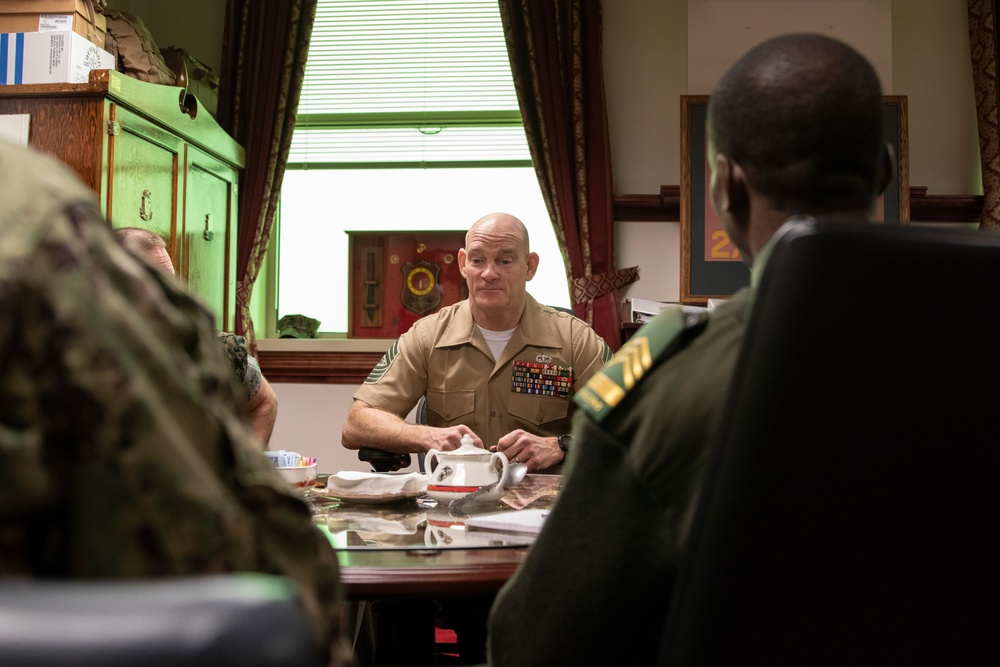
{"points": [[317, 367], [944, 208], [665, 207]]}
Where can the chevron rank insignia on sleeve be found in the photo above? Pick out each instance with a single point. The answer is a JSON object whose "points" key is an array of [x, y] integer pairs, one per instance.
{"points": [[606, 389]]}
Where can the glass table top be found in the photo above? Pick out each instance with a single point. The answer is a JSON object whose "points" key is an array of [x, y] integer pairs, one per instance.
{"points": [[421, 523]]}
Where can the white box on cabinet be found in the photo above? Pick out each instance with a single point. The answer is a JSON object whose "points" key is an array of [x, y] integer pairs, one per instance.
{"points": [[49, 57]]}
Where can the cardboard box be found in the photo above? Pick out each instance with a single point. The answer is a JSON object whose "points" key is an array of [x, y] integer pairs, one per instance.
{"points": [[53, 16], [49, 57]]}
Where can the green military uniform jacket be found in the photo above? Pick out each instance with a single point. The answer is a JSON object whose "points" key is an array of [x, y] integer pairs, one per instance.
{"points": [[595, 587], [123, 450], [445, 357]]}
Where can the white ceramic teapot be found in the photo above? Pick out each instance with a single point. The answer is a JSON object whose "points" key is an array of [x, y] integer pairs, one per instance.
{"points": [[461, 471]]}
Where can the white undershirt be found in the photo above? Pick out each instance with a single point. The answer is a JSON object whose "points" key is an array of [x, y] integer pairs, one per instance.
{"points": [[497, 340]]}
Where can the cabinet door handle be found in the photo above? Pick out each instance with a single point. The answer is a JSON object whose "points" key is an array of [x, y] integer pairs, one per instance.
{"points": [[146, 206], [209, 234]]}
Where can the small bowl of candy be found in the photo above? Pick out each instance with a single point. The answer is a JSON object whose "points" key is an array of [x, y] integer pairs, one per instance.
{"points": [[300, 471], [301, 476]]}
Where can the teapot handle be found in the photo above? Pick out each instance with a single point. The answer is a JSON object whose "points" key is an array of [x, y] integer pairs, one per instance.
{"points": [[431, 461], [504, 467]]}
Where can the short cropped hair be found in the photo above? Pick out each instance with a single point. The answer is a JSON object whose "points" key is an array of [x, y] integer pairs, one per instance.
{"points": [[802, 115]]}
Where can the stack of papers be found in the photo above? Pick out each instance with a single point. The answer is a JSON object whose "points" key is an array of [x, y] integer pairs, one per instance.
{"points": [[523, 522], [643, 310]]}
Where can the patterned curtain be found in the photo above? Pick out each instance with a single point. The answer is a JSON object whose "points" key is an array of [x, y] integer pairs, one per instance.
{"points": [[555, 55], [263, 63], [983, 43]]}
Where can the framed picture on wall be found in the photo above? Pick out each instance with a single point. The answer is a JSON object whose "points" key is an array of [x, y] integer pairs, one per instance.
{"points": [[397, 277], [711, 266]]}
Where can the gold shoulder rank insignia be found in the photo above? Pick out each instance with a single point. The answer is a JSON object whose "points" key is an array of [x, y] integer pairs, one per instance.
{"points": [[608, 386]]}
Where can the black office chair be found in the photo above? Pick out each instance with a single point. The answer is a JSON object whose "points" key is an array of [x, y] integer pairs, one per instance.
{"points": [[237, 620], [850, 513], [382, 461]]}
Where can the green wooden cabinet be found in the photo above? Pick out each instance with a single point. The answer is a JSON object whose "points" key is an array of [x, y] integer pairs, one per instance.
{"points": [[153, 164]]}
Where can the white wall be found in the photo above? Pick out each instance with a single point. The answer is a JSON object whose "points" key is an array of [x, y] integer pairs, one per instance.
{"points": [[933, 68], [310, 418], [720, 31]]}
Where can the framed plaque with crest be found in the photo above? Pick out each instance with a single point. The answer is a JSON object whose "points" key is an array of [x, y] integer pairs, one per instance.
{"points": [[395, 278]]}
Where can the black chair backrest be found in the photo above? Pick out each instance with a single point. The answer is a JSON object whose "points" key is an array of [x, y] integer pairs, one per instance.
{"points": [[850, 515], [238, 620]]}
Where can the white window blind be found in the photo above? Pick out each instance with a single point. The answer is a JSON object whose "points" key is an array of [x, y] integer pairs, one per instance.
{"points": [[395, 82]]}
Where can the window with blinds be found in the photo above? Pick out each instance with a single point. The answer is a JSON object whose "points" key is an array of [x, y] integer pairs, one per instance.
{"points": [[392, 82], [408, 121]]}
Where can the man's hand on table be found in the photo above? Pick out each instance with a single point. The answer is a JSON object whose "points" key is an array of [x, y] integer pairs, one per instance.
{"points": [[535, 451]]}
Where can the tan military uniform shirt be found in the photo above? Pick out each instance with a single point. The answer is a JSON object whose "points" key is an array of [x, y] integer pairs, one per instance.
{"points": [[445, 357]]}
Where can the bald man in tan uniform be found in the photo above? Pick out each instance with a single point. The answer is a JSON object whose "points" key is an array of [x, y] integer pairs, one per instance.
{"points": [[498, 365]]}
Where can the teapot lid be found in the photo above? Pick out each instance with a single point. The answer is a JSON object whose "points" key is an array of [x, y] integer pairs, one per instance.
{"points": [[468, 448]]}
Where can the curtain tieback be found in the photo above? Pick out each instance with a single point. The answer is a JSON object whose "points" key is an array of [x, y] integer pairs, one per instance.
{"points": [[589, 288]]}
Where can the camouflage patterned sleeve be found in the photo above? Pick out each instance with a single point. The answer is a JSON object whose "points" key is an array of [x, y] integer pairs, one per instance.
{"points": [[246, 370], [123, 450], [251, 383]]}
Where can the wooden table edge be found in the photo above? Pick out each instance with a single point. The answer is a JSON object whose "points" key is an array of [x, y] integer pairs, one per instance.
{"points": [[366, 582]]}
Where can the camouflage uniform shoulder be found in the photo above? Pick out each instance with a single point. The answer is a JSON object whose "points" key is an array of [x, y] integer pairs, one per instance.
{"points": [[654, 342], [235, 348]]}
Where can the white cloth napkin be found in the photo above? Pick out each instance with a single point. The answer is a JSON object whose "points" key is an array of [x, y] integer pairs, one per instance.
{"points": [[374, 484]]}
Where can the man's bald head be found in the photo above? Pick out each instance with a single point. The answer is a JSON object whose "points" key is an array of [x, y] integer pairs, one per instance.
{"points": [[146, 244], [500, 225], [496, 263]]}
